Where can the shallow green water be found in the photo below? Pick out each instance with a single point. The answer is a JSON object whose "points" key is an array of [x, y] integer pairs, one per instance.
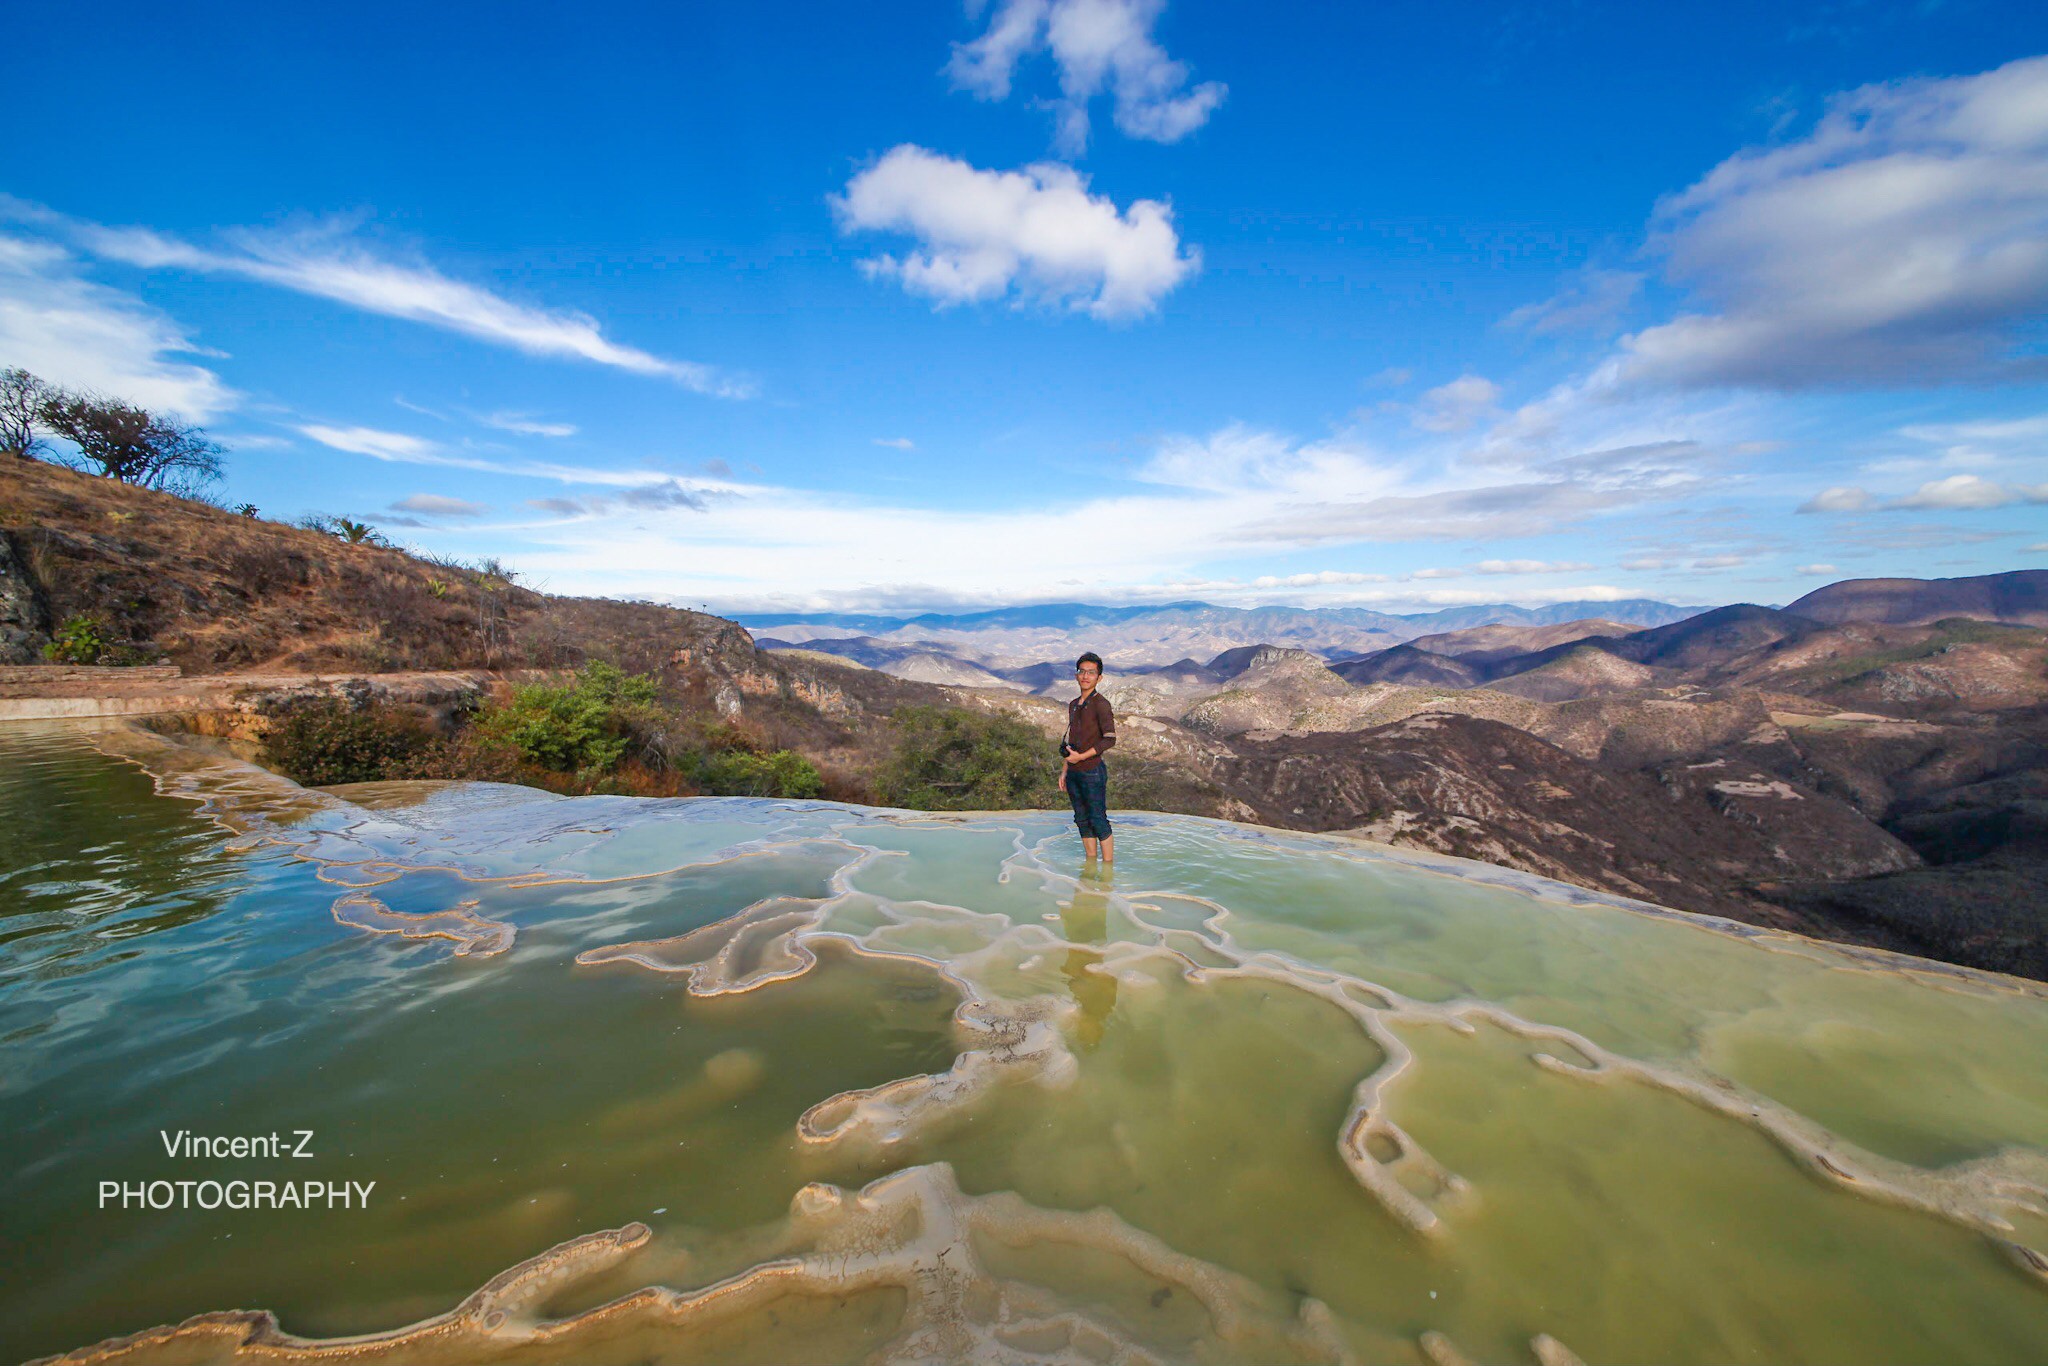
{"points": [[859, 1085]]}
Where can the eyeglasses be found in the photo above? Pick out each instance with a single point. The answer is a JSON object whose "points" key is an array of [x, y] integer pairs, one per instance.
{"points": [[1088, 671]]}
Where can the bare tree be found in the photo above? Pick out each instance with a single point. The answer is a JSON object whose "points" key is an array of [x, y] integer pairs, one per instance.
{"points": [[22, 397], [131, 444]]}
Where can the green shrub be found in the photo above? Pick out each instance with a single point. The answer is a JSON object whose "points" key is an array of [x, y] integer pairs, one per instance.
{"points": [[584, 728], [330, 740], [85, 639], [952, 759], [80, 640], [741, 773]]}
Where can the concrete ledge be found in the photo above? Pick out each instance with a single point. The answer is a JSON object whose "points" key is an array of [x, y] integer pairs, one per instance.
{"points": [[68, 692], [62, 708], [37, 674]]}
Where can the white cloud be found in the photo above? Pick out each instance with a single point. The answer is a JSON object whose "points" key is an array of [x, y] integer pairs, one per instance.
{"points": [[1719, 561], [1319, 579], [1954, 492], [1913, 538], [2028, 429], [1038, 232], [399, 448], [326, 263], [402, 401], [376, 444], [1098, 45], [1244, 462], [1840, 498], [1970, 491], [1498, 567], [1458, 406], [73, 332], [1493, 512], [1238, 491], [1954, 455], [900, 443], [1904, 240], [1530, 567], [1596, 299], [438, 505], [522, 425], [1491, 488], [1814, 569]]}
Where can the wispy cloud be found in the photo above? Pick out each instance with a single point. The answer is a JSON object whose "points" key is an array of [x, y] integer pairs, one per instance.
{"points": [[327, 262], [403, 448], [901, 443], [1098, 45], [522, 424], [438, 505], [80, 334], [381, 445], [1036, 234], [1530, 567], [1594, 300], [1458, 406], [1970, 491], [1840, 498], [1957, 492], [1238, 491], [1900, 242]]}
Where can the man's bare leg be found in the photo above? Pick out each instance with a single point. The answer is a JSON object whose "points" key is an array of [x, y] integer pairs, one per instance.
{"points": [[1108, 848], [1088, 848]]}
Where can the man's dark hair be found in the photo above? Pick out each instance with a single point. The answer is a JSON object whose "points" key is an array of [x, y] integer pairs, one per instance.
{"points": [[1090, 658]]}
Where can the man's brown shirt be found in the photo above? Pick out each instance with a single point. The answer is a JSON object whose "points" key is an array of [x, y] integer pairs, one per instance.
{"points": [[1090, 727]]}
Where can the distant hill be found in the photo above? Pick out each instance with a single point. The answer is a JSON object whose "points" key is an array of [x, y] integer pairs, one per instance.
{"points": [[2020, 597], [1481, 645], [1410, 665], [1008, 639], [1708, 639], [1878, 780]]}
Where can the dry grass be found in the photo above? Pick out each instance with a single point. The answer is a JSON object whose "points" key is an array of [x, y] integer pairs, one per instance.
{"points": [[212, 590]]}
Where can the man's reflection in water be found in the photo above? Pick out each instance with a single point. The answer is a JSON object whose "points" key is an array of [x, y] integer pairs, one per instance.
{"points": [[1086, 921]]}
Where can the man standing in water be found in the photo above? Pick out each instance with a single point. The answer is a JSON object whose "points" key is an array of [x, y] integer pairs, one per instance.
{"points": [[1091, 729]]}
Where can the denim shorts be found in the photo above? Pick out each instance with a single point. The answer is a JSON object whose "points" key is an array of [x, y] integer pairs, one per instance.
{"points": [[1088, 790]]}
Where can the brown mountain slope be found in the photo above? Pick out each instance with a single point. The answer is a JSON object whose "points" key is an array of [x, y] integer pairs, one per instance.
{"points": [[1695, 838], [1483, 645], [1743, 800], [211, 591], [1411, 665], [1951, 665], [1583, 670], [1597, 665], [2020, 597]]}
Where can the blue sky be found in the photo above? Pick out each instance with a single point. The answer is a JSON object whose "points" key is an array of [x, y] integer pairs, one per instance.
{"points": [[920, 306]]}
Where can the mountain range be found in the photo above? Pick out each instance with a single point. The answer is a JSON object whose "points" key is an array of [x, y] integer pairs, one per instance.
{"points": [[1138, 637], [1868, 763]]}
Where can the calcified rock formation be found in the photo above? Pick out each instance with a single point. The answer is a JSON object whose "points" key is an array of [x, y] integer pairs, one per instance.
{"points": [[1446, 979], [471, 933]]}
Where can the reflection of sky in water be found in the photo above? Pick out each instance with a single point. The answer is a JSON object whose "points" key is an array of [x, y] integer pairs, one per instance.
{"points": [[1249, 1096]]}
